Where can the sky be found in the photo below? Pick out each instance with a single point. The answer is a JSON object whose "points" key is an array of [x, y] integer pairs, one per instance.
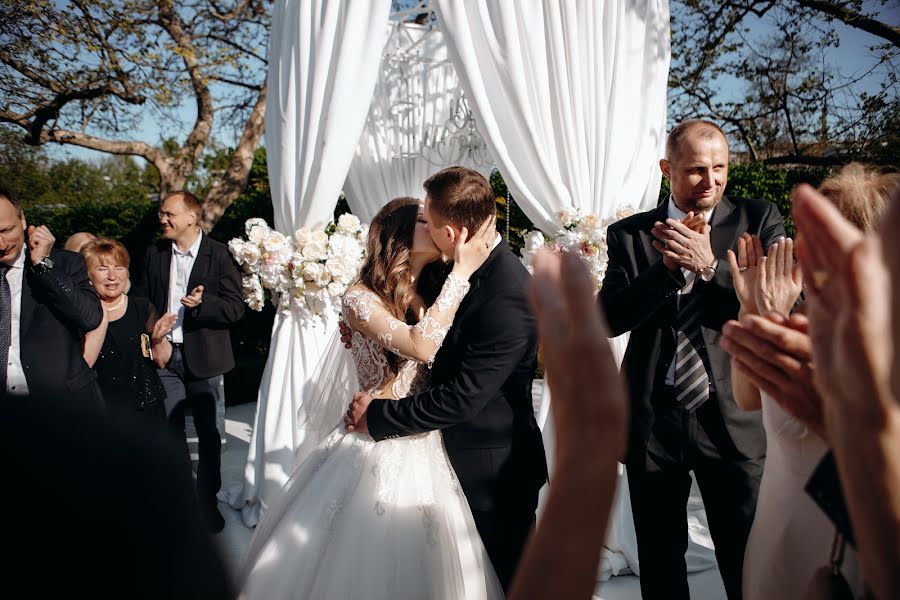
{"points": [[851, 57]]}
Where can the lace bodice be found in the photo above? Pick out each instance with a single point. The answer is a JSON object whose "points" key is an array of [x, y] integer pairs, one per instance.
{"points": [[376, 331]]}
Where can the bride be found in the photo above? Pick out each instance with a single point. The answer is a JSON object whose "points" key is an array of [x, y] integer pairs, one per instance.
{"points": [[360, 519]]}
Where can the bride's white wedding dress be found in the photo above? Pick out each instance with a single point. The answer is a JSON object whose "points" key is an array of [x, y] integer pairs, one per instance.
{"points": [[386, 520]]}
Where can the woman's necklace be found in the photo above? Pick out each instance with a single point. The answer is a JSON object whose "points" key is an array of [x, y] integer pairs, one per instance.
{"points": [[118, 304]]}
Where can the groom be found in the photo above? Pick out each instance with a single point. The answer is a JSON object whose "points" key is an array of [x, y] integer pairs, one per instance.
{"points": [[481, 380]]}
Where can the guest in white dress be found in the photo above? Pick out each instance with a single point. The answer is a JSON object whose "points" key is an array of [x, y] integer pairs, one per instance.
{"points": [[791, 537], [387, 520]]}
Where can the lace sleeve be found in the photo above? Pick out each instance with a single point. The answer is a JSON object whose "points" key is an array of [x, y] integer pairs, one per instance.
{"points": [[419, 342]]}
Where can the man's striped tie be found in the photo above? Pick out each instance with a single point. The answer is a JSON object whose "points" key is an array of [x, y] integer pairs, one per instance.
{"points": [[691, 378]]}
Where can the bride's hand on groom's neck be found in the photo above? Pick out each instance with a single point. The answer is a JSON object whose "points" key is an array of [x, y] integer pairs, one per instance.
{"points": [[470, 252]]}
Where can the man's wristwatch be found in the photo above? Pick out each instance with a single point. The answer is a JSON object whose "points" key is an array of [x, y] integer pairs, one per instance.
{"points": [[707, 273], [42, 266]]}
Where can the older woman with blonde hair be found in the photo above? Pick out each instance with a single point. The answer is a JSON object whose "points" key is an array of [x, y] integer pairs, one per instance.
{"points": [[129, 340]]}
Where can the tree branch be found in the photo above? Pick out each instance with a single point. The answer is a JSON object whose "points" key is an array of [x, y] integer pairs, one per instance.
{"points": [[132, 148], [855, 19], [237, 47], [171, 22], [249, 86], [232, 183]]}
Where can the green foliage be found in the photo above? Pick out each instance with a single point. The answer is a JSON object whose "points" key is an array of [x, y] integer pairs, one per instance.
{"points": [[519, 224], [756, 180]]}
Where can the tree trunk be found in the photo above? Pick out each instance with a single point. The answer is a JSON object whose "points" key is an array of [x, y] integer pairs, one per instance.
{"points": [[229, 187]]}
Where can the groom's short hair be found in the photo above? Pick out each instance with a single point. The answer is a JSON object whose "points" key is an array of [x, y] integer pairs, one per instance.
{"points": [[461, 196]]}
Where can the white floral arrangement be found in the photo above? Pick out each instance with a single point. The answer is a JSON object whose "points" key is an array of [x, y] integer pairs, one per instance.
{"points": [[584, 235], [308, 273]]}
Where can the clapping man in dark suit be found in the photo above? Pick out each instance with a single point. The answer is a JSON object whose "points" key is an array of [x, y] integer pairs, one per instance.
{"points": [[669, 284], [196, 278], [46, 305], [481, 380]]}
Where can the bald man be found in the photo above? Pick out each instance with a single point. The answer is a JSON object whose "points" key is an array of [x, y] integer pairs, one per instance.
{"points": [[78, 240], [669, 284]]}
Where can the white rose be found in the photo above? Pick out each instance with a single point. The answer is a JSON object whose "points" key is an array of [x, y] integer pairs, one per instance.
{"points": [[363, 232], [589, 223], [347, 223], [253, 292], [569, 241], [567, 217], [234, 246], [249, 255], [317, 274], [314, 251], [258, 235], [254, 223], [320, 237], [339, 269], [345, 247], [303, 236], [274, 242]]}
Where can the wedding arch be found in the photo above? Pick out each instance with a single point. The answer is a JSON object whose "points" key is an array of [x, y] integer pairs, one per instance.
{"points": [[566, 98]]}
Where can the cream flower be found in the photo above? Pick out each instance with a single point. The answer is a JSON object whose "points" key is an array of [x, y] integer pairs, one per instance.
{"points": [[315, 251], [347, 223], [303, 236]]}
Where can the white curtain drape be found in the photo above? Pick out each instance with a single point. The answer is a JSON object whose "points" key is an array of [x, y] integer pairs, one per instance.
{"points": [[323, 63], [570, 96], [416, 92]]}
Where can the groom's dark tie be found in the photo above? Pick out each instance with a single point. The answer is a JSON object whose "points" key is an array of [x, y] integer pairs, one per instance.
{"points": [[5, 326], [691, 378]]}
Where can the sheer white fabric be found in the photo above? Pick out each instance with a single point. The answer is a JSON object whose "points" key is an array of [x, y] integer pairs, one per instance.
{"points": [[361, 519], [416, 89], [323, 62]]}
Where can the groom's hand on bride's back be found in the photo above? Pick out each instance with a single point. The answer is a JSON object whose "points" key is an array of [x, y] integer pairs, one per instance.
{"points": [[346, 334], [355, 418]]}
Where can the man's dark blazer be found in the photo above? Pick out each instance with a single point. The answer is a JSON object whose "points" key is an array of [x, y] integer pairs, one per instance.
{"points": [[207, 342], [58, 307], [639, 295]]}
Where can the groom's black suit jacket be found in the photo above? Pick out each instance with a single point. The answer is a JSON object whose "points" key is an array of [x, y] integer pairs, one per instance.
{"points": [[481, 392], [639, 295]]}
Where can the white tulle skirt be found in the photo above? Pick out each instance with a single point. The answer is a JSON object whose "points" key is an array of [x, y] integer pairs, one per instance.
{"points": [[367, 520]]}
